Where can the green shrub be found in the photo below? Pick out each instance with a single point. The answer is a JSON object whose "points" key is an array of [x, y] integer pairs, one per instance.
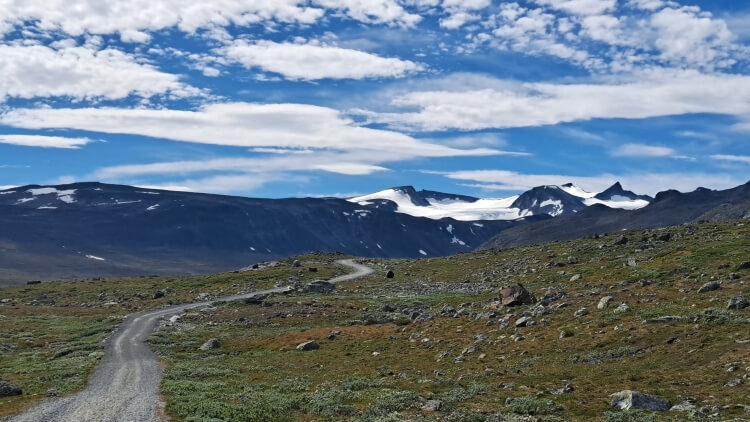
{"points": [[530, 405]]}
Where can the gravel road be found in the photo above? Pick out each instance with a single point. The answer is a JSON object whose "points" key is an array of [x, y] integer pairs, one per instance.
{"points": [[125, 386]]}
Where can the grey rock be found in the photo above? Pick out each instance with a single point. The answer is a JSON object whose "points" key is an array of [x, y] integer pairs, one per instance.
{"points": [[663, 320], [523, 322], [211, 344], [743, 266], [629, 399], [516, 295], [308, 345], [623, 308], [564, 390], [734, 382], [7, 389], [581, 312], [517, 337], [737, 302], [632, 262], [575, 277], [390, 274], [296, 263], [622, 240], [566, 334], [432, 405], [709, 287], [321, 286], [604, 302], [51, 392], [685, 406], [572, 260]]}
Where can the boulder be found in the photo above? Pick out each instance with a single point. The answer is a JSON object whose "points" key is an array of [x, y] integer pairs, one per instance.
{"points": [[516, 295], [7, 389], [575, 277], [622, 240], [432, 405], [390, 274], [211, 344], [308, 345], [321, 286], [523, 322], [296, 263], [628, 399], [709, 287], [623, 308], [744, 266], [257, 299], [737, 302], [581, 312], [604, 302], [572, 260]]}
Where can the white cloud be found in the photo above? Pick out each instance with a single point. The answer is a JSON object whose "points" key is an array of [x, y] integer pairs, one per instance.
{"points": [[580, 7], [373, 11], [732, 158], [81, 73], [653, 93], [643, 183], [313, 61], [237, 124], [351, 169], [44, 141], [640, 150]]}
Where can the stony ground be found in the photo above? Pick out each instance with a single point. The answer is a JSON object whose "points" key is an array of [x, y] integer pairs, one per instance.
{"points": [[434, 342]]}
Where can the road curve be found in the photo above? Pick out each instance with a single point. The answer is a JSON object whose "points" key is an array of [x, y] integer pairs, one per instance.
{"points": [[125, 386]]}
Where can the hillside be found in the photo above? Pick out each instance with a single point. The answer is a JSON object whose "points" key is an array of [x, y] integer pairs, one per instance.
{"points": [[432, 343]]}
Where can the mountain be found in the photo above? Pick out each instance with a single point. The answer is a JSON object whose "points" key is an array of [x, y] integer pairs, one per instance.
{"points": [[552, 201], [92, 230], [668, 208]]}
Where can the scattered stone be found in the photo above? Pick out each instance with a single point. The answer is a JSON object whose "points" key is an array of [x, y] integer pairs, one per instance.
{"points": [[523, 322], [628, 399], [743, 266], [737, 302], [664, 237], [566, 334], [517, 337], [564, 390], [390, 274], [623, 308], [432, 405], [296, 263], [709, 287], [575, 277], [581, 312], [158, 294], [308, 345], [663, 320], [7, 389], [313, 269], [333, 334], [321, 286], [622, 240], [211, 344], [604, 302], [733, 382], [572, 260], [516, 295], [685, 406], [632, 262], [256, 299], [388, 308], [51, 392]]}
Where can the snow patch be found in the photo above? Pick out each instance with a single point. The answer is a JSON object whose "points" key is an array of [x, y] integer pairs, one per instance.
{"points": [[423, 252], [8, 192], [152, 207], [458, 241], [63, 195], [24, 200], [46, 207], [95, 258], [449, 228], [478, 224]]}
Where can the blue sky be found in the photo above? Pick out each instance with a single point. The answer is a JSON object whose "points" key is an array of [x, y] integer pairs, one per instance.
{"points": [[341, 97]]}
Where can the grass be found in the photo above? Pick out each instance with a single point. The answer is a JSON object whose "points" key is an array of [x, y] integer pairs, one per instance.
{"points": [[386, 365]]}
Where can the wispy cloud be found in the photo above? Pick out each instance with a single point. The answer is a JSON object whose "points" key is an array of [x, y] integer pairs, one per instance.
{"points": [[44, 141]]}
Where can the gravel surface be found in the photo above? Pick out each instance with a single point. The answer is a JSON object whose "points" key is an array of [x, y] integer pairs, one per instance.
{"points": [[125, 386]]}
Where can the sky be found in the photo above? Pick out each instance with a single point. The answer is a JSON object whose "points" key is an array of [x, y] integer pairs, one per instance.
{"points": [[296, 98]]}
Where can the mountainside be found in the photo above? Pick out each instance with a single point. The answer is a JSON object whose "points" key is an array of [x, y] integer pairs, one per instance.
{"points": [[668, 208], [540, 201], [92, 229]]}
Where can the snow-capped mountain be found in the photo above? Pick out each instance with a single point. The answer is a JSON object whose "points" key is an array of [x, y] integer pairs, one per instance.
{"points": [[543, 200]]}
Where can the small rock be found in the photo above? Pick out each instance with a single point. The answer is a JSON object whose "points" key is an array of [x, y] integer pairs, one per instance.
{"points": [[390, 274], [566, 334], [572, 260], [623, 308], [313, 269], [622, 240], [51, 392], [575, 277], [581, 312], [743, 266], [517, 337], [604, 302], [321, 286], [296, 263], [737, 302], [709, 287], [632, 262], [685, 406], [733, 382], [432, 405], [388, 308], [7, 389], [308, 345], [523, 322], [158, 294], [628, 399], [663, 320], [211, 344], [558, 391]]}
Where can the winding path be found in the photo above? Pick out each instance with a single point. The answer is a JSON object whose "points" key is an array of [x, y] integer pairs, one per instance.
{"points": [[125, 386]]}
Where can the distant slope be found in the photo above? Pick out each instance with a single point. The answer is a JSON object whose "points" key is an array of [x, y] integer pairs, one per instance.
{"points": [[91, 229], [669, 208]]}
